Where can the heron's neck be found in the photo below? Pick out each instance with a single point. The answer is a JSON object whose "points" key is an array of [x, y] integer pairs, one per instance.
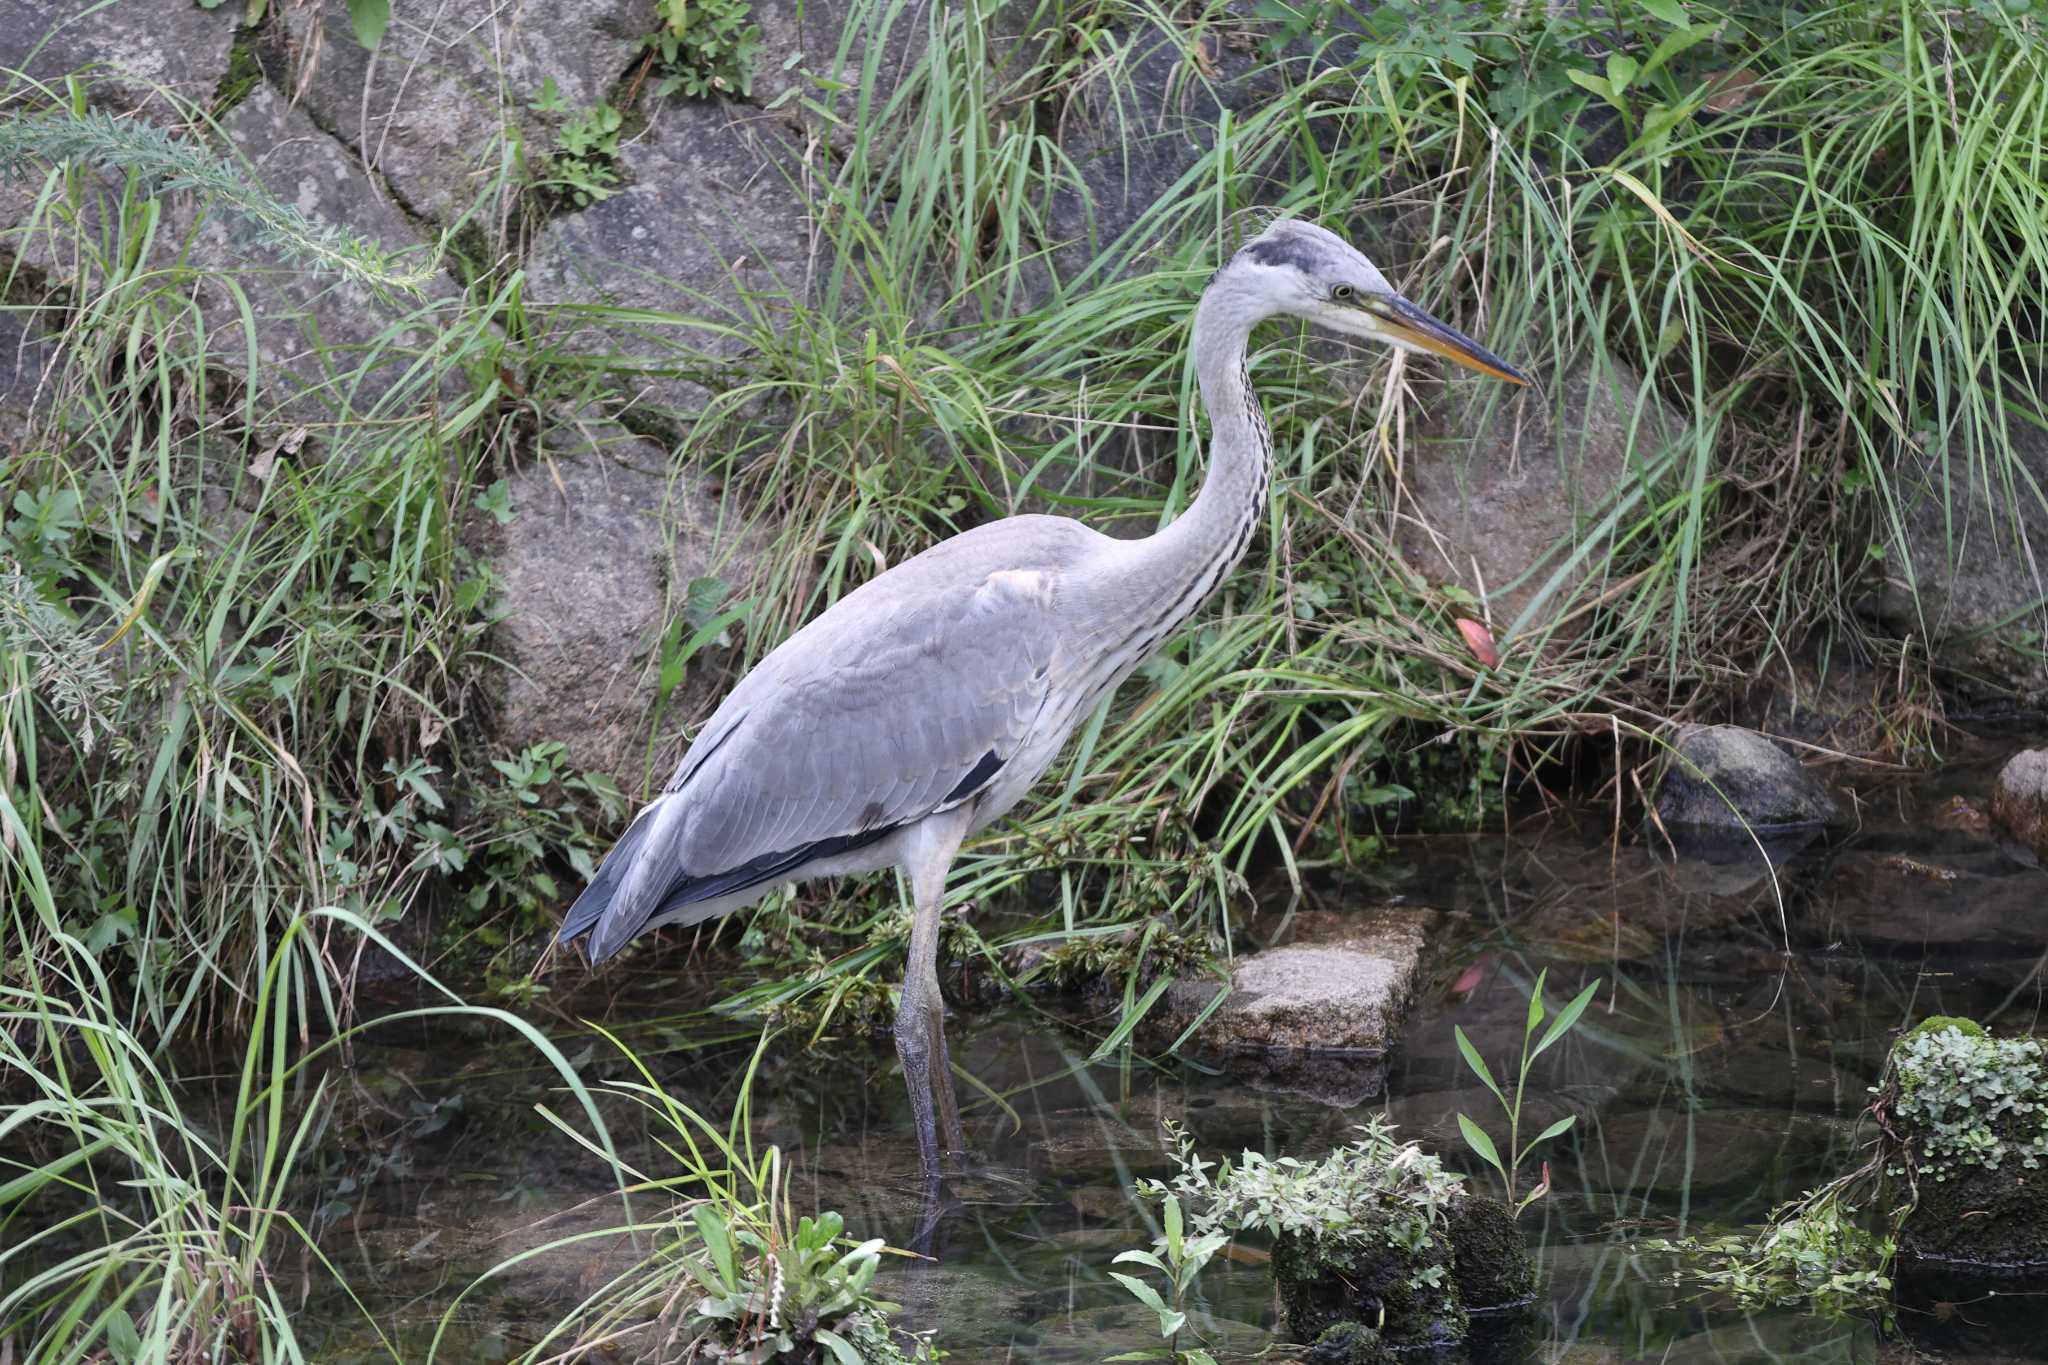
{"points": [[1191, 556]]}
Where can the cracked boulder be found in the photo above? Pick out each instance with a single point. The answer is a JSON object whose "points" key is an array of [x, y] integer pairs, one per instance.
{"points": [[1505, 486], [433, 108], [327, 345], [135, 56], [1314, 1012], [706, 236], [596, 555]]}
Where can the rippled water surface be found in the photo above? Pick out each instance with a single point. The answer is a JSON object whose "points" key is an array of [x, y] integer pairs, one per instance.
{"points": [[1717, 1075]]}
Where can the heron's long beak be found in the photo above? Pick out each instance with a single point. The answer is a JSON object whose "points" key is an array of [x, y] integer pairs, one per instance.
{"points": [[1402, 321]]}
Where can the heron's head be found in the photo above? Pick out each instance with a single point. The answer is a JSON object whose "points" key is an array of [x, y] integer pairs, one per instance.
{"points": [[1305, 271]]}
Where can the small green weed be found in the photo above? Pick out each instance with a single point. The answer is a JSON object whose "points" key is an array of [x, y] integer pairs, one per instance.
{"points": [[583, 167], [1476, 1137], [1179, 1259], [704, 47], [1971, 1100], [1374, 1191]]}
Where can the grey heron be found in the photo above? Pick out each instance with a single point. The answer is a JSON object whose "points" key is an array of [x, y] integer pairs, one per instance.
{"points": [[923, 705]]}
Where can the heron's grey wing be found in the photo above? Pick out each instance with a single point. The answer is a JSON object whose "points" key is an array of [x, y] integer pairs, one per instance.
{"points": [[879, 713]]}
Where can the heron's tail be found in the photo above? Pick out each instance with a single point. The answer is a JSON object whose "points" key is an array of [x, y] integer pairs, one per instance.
{"points": [[601, 906]]}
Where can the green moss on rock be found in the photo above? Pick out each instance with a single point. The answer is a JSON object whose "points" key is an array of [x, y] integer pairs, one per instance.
{"points": [[1348, 1343], [1490, 1264], [1941, 1023], [1408, 1291], [1969, 1114]]}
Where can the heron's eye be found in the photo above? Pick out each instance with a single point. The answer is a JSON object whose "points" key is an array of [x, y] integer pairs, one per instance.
{"points": [[1342, 293]]}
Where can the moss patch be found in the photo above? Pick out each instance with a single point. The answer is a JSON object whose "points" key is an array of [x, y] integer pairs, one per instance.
{"points": [[1492, 1267], [1407, 1290]]}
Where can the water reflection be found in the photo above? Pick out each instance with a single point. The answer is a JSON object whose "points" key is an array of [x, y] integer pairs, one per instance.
{"points": [[1747, 1001]]}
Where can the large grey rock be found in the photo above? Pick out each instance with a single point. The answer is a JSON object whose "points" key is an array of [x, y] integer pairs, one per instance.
{"points": [[707, 228], [599, 554], [314, 331], [1506, 485], [434, 107], [1138, 128], [27, 357], [801, 42], [1726, 777], [2019, 801], [1314, 1013], [1965, 577], [134, 53]]}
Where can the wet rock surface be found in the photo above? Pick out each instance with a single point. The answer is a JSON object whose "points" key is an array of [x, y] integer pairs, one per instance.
{"points": [[1314, 1012], [603, 543], [1723, 777], [2019, 800], [1502, 479]]}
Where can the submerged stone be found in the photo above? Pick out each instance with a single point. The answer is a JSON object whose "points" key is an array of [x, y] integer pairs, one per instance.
{"points": [[1404, 1285], [1723, 777], [2019, 801], [1315, 1012], [1348, 1343]]}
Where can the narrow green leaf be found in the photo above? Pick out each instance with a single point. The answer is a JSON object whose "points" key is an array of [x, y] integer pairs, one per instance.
{"points": [[711, 1228], [1478, 1141], [842, 1349], [1586, 79], [1140, 1258], [1670, 11], [1546, 1135], [1621, 69], [1142, 1292], [1172, 1228], [370, 18], [1476, 1062], [1566, 1017], [1536, 1002]]}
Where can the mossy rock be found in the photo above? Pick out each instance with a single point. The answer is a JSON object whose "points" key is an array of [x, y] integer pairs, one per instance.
{"points": [[1939, 1023], [1410, 1295], [1490, 1264], [1979, 1185], [1348, 1343]]}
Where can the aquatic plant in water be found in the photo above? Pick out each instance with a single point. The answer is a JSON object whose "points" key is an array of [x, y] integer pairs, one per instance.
{"points": [[1180, 1259], [1476, 1137], [1815, 1251], [1363, 1234]]}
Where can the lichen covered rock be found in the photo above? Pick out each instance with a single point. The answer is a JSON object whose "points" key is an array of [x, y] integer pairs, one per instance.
{"points": [[1969, 1118]]}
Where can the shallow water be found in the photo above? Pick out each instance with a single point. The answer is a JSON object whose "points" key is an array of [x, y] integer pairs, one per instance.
{"points": [[1717, 1075]]}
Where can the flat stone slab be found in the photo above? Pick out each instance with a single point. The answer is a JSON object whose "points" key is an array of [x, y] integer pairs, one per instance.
{"points": [[1314, 1013]]}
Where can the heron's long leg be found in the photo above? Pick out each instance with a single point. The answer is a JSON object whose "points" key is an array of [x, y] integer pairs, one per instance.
{"points": [[920, 1014]]}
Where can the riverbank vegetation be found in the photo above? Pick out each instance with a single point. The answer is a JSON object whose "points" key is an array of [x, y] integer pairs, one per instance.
{"points": [[247, 662]]}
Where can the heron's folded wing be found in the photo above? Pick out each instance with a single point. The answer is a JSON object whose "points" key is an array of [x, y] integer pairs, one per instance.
{"points": [[869, 719]]}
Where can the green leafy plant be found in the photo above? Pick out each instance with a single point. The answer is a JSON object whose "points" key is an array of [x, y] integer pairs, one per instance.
{"points": [[704, 47], [1814, 1251], [810, 1288], [1179, 1259], [1970, 1100], [1476, 1137], [1375, 1189], [583, 168]]}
